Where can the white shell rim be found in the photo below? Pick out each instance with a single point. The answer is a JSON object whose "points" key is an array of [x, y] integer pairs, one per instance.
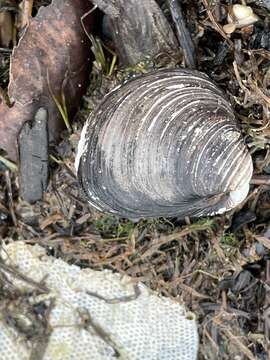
{"points": [[81, 146]]}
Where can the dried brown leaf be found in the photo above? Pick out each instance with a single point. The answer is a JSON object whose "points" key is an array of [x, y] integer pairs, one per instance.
{"points": [[6, 29], [54, 47]]}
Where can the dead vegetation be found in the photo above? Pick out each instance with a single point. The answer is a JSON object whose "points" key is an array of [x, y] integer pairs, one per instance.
{"points": [[219, 267]]}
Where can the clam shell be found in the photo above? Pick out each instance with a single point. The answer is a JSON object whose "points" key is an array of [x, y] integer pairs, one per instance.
{"points": [[164, 144]]}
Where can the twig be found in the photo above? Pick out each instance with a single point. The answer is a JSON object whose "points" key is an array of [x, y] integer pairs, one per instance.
{"points": [[256, 92], [119, 351], [127, 298], [178, 236], [10, 198], [244, 349], [183, 34], [216, 26], [15, 273], [260, 180]]}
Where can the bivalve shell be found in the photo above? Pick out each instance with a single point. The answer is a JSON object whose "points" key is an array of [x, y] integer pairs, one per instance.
{"points": [[164, 144]]}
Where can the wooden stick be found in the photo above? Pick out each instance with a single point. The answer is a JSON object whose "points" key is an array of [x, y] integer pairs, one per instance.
{"points": [[183, 34]]}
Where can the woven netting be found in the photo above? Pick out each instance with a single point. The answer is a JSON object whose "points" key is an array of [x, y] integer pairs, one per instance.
{"points": [[88, 314]]}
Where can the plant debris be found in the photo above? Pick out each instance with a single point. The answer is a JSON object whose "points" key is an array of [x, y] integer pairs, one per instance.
{"points": [[52, 56], [219, 267]]}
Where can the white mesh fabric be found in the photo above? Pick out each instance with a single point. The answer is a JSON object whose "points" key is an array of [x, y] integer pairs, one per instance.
{"points": [[147, 327]]}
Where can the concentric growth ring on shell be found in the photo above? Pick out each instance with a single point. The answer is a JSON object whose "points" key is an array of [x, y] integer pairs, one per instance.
{"points": [[164, 144]]}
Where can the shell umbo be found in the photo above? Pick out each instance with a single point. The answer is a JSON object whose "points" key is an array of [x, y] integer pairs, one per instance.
{"points": [[164, 144]]}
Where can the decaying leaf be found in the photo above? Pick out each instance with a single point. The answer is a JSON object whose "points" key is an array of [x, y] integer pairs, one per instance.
{"points": [[6, 29], [51, 57]]}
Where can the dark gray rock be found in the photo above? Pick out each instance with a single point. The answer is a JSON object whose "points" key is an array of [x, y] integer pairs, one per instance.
{"points": [[33, 152]]}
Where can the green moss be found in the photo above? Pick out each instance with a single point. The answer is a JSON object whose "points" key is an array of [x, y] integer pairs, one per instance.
{"points": [[114, 227], [229, 239]]}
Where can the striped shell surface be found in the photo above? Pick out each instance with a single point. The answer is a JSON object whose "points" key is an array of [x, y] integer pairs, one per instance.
{"points": [[164, 144]]}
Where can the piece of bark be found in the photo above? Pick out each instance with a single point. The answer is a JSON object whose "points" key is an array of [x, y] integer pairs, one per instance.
{"points": [[139, 30], [33, 145], [183, 34], [54, 47]]}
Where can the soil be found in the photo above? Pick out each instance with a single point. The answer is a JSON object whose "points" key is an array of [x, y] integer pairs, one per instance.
{"points": [[219, 266]]}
